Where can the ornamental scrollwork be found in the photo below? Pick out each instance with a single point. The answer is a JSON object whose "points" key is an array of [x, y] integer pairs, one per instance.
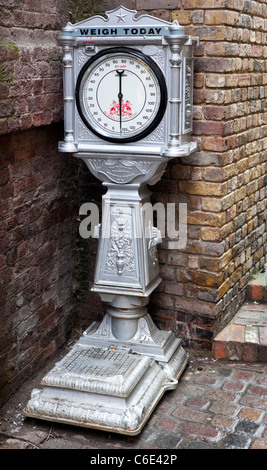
{"points": [[120, 255]]}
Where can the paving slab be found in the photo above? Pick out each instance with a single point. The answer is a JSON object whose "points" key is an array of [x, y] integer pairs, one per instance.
{"points": [[245, 337]]}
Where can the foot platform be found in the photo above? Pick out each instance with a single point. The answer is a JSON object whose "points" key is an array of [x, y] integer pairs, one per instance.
{"points": [[111, 389]]}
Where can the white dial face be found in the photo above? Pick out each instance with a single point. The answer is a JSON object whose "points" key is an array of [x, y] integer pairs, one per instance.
{"points": [[121, 96]]}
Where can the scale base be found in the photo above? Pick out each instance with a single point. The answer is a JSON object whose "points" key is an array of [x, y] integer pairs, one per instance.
{"points": [[148, 339], [110, 389]]}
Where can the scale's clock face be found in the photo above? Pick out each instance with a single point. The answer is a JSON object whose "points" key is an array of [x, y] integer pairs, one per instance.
{"points": [[121, 95]]}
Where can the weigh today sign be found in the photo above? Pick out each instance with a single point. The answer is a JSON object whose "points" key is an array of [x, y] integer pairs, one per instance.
{"points": [[121, 31]]}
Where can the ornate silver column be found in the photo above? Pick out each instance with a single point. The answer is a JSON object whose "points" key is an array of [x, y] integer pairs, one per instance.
{"points": [[127, 268], [176, 44], [68, 91]]}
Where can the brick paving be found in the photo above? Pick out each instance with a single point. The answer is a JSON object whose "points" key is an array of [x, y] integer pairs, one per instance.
{"points": [[245, 337], [256, 290], [218, 404]]}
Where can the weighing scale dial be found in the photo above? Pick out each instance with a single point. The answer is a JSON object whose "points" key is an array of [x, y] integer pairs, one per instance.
{"points": [[121, 95]]}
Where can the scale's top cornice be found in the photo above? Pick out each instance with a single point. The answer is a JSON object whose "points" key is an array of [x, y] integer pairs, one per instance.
{"points": [[123, 17]]}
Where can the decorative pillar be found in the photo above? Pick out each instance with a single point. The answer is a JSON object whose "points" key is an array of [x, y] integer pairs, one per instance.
{"points": [[68, 92], [174, 143]]}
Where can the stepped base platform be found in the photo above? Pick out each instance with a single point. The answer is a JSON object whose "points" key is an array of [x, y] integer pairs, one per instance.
{"points": [[245, 337], [107, 388]]}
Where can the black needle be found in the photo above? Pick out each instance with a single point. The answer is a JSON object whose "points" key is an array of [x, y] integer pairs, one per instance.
{"points": [[120, 95]]}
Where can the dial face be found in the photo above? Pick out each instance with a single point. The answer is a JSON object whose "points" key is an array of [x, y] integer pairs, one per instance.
{"points": [[121, 95]]}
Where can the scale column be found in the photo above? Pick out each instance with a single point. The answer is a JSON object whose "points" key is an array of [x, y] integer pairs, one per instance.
{"points": [[176, 43], [68, 145]]}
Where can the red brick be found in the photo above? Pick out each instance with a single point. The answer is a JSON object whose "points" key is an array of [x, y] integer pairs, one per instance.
{"points": [[214, 112], [219, 350], [199, 403], [249, 413], [236, 333], [214, 65], [262, 379], [189, 414], [259, 444], [166, 423], [257, 390], [221, 407], [154, 4], [206, 4], [205, 380], [174, 288], [198, 430], [222, 421], [214, 144], [208, 128], [234, 386], [254, 401], [250, 352], [215, 17]]}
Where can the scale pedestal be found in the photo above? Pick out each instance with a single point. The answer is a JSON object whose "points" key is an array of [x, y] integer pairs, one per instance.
{"points": [[116, 373]]}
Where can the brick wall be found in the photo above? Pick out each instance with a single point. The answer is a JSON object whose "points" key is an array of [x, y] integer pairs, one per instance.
{"points": [[37, 253], [37, 195], [30, 67], [224, 182]]}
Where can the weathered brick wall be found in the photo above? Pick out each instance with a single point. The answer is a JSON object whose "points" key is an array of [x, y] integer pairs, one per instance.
{"points": [[30, 67], [37, 194], [224, 182], [37, 253]]}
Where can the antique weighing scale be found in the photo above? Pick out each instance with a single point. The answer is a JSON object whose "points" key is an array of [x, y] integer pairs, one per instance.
{"points": [[128, 91]]}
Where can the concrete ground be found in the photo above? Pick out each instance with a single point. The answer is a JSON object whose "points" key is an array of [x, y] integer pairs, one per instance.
{"points": [[218, 404]]}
